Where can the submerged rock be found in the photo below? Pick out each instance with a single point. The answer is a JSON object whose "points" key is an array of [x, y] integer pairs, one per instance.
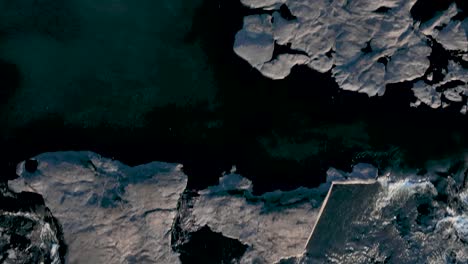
{"points": [[399, 218]]}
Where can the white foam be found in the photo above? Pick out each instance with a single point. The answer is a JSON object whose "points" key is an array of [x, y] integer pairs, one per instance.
{"points": [[42, 236]]}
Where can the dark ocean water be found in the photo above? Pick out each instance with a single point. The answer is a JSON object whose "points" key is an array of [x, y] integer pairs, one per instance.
{"points": [[280, 134]]}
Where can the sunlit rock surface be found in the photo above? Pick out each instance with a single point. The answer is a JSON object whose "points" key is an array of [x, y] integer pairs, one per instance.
{"points": [[120, 214], [145, 214], [274, 225], [112, 212], [365, 44]]}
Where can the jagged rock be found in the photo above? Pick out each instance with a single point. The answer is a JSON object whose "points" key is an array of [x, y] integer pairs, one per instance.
{"points": [[371, 48], [273, 225], [144, 214], [114, 213], [28, 231]]}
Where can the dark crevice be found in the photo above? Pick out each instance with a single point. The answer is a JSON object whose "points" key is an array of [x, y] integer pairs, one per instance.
{"points": [[206, 246], [384, 60], [438, 58], [449, 85], [330, 53], [383, 10], [285, 49], [179, 235], [367, 49], [286, 13], [440, 27], [424, 10]]}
